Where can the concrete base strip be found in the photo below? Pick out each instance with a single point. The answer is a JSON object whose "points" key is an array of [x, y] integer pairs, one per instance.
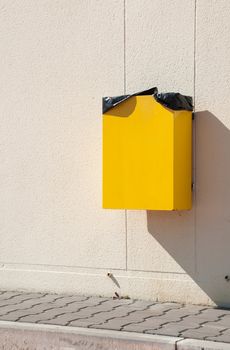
{"points": [[21, 336], [193, 344]]}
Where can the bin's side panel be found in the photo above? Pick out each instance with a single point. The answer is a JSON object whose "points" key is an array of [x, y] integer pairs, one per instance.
{"points": [[183, 160], [138, 155]]}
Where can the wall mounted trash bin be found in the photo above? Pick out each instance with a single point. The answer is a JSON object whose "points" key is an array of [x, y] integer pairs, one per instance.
{"points": [[147, 156]]}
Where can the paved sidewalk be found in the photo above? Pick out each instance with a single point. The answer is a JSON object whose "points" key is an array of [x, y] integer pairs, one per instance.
{"points": [[168, 319]]}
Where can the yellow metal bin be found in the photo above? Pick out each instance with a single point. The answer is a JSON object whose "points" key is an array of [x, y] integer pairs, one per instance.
{"points": [[147, 156]]}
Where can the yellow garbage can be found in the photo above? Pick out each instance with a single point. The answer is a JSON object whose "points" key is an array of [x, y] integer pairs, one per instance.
{"points": [[147, 155]]}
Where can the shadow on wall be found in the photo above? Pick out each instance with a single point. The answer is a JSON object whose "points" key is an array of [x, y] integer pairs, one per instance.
{"points": [[210, 245]]}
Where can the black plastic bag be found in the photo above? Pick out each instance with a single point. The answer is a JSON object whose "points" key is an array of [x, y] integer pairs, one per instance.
{"points": [[172, 100]]}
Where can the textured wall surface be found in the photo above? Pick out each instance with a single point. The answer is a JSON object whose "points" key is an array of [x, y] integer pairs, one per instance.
{"points": [[57, 59]]}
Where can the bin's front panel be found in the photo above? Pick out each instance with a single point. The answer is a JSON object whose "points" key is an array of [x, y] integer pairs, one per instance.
{"points": [[138, 155]]}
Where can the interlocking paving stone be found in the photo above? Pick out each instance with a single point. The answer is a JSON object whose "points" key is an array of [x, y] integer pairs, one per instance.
{"points": [[10, 295], [142, 304], [202, 332], [223, 321], [175, 328], [89, 314], [48, 314], [165, 306], [116, 313], [202, 318], [183, 312], [45, 309], [151, 323], [63, 319], [172, 319], [227, 330], [139, 327], [41, 302], [170, 331], [19, 299], [221, 338], [115, 324], [102, 317], [163, 318]]}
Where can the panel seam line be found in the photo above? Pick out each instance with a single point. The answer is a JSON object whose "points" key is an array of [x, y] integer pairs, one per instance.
{"points": [[194, 139], [126, 213]]}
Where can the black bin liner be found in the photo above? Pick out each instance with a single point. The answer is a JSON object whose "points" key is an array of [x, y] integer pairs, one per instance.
{"points": [[172, 100]]}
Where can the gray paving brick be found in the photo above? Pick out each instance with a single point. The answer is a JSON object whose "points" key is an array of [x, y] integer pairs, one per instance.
{"points": [[103, 316], [220, 338], [218, 324], [97, 319], [94, 319], [214, 313], [19, 299], [107, 301], [80, 323], [141, 304], [164, 307], [193, 333], [172, 329], [96, 300], [134, 317], [8, 295], [210, 330], [122, 301], [38, 309], [169, 331], [27, 304], [125, 320], [139, 328], [61, 300], [226, 331], [148, 324], [202, 318], [118, 312], [224, 321], [171, 319], [202, 332], [37, 306], [191, 309], [164, 319], [184, 324], [42, 316], [225, 311], [114, 324], [53, 312], [66, 318], [87, 310], [62, 320], [184, 312], [13, 308], [149, 313]]}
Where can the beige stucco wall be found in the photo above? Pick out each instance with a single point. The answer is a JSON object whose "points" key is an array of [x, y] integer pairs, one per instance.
{"points": [[57, 59]]}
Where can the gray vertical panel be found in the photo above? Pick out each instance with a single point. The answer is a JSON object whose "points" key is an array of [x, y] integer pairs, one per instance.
{"points": [[160, 51], [213, 146], [58, 58], [159, 44]]}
